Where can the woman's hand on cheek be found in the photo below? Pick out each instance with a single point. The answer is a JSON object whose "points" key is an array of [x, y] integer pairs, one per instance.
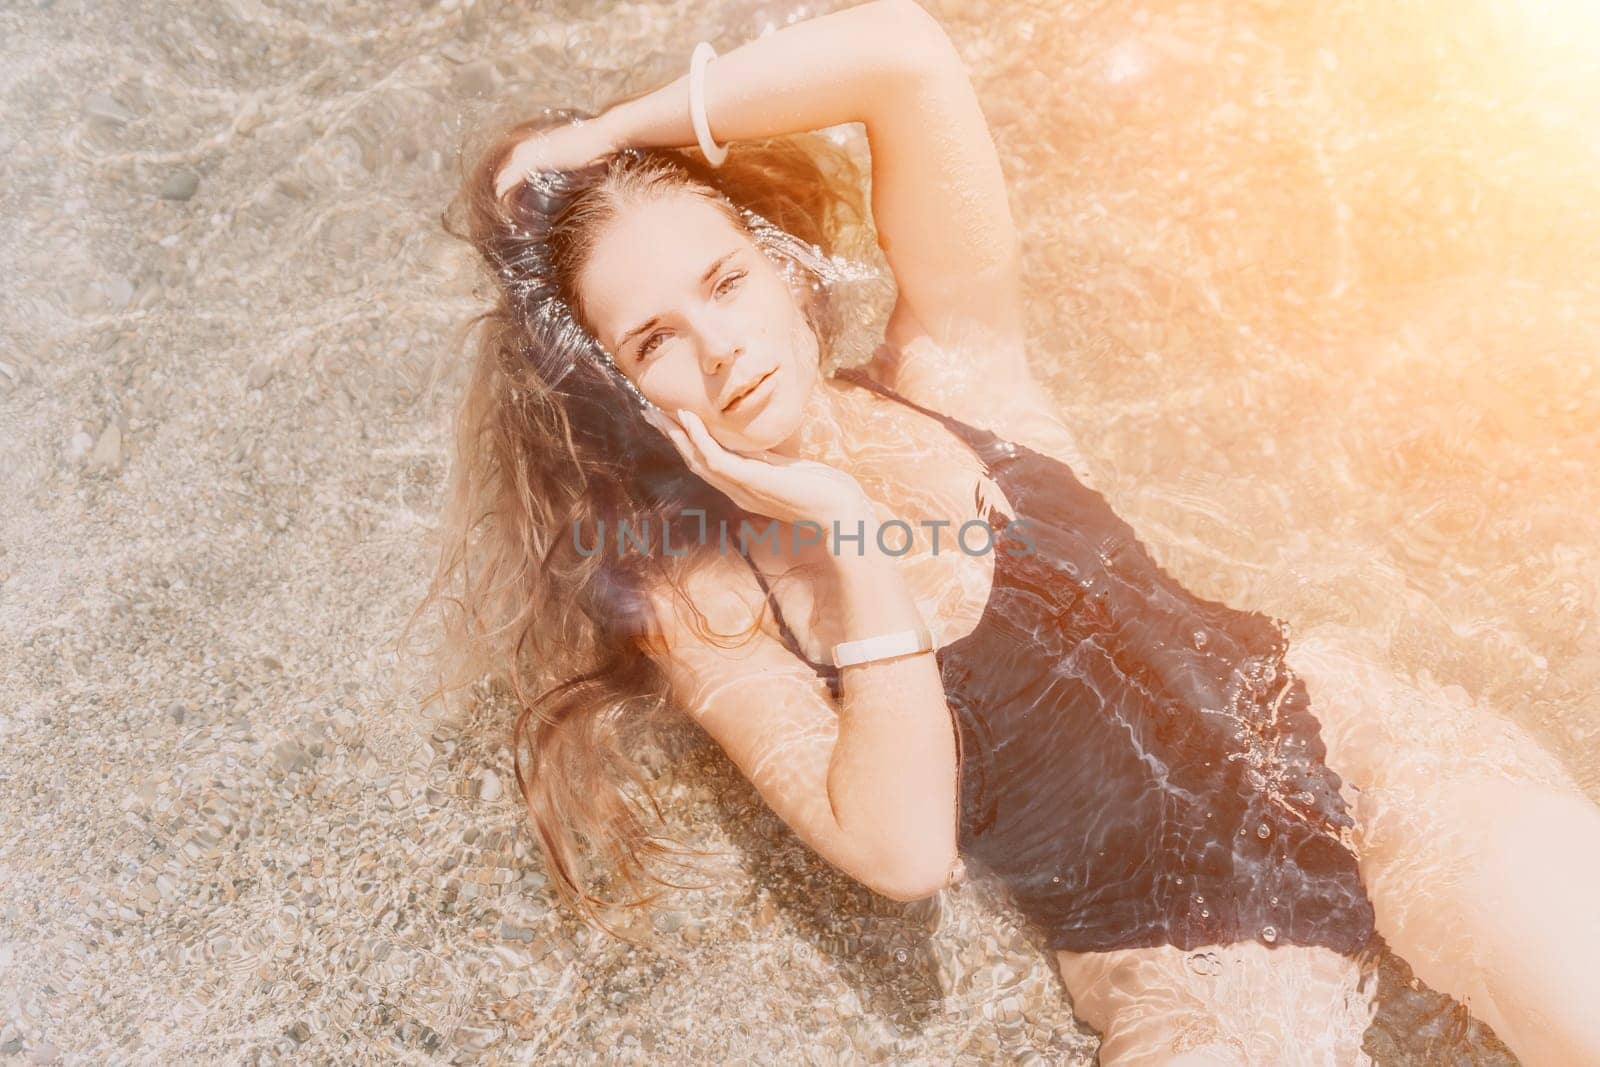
{"points": [[763, 482], [677, 430], [661, 421]]}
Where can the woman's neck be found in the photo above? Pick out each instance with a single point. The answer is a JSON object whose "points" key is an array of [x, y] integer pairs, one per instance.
{"points": [[831, 420]]}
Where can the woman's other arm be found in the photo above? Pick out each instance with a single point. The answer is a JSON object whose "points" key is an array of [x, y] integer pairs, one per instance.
{"points": [[869, 783]]}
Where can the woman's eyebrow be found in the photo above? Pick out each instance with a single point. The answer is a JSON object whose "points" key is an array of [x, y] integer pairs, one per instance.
{"points": [[652, 320]]}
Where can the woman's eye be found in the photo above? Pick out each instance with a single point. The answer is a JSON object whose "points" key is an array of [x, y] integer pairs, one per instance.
{"points": [[650, 343], [726, 285]]}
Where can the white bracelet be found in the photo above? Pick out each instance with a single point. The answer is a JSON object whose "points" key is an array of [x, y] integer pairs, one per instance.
{"points": [[883, 646], [715, 153]]}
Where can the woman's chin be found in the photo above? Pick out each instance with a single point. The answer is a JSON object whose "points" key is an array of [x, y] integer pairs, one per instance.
{"points": [[774, 423], [767, 430]]}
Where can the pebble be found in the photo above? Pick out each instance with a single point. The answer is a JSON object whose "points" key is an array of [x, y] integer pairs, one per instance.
{"points": [[115, 291], [101, 105], [107, 454], [180, 185], [478, 79]]}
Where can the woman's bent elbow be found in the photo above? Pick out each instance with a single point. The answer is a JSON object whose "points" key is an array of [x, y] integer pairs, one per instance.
{"points": [[918, 880], [920, 41]]}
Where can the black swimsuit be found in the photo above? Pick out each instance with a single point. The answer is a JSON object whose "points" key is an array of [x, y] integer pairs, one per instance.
{"points": [[1139, 766]]}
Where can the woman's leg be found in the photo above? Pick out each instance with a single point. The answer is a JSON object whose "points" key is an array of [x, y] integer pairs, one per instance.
{"points": [[1244, 1005], [1479, 851]]}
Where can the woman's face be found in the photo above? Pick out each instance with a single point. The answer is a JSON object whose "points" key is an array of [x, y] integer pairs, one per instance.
{"points": [[695, 314]]}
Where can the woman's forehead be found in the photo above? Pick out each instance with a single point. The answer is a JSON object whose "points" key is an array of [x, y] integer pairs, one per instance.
{"points": [[676, 227], [651, 254]]}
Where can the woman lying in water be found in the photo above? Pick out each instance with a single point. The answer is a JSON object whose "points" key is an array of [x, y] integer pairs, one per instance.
{"points": [[1020, 686]]}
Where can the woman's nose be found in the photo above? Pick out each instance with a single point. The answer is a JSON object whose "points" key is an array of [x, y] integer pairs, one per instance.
{"points": [[719, 345]]}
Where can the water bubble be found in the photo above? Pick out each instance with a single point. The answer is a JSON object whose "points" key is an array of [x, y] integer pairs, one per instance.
{"points": [[1205, 913], [1179, 879], [1274, 900], [901, 955], [1269, 934], [1263, 831], [1198, 899]]}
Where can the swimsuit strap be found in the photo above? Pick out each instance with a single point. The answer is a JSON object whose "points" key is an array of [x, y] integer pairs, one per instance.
{"points": [[827, 670], [975, 436]]}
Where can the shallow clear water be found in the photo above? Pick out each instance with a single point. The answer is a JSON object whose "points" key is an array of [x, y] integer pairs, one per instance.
{"points": [[1315, 289]]}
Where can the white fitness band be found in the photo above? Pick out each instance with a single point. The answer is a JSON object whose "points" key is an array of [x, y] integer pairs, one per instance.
{"points": [[715, 154], [883, 646]]}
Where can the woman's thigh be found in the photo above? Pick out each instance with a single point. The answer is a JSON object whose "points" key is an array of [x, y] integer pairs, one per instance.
{"points": [[1476, 844], [1243, 1004], [1390, 738], [1425, 769]]}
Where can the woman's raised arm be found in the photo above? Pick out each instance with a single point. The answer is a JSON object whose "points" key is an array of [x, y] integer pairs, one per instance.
{"points": [[806, 76], [938, 194]]}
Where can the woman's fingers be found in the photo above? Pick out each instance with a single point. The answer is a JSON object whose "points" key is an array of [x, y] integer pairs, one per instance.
{"points": [[506, 177], [729, 465], [656, 418], [729, 472], [686, 446], [740, 476], [562, 148], [514, 171], [704, 445], [680, 440]]}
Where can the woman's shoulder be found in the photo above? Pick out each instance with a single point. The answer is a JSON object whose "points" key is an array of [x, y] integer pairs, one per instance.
{"points": [[995, 396], [717, 593]]}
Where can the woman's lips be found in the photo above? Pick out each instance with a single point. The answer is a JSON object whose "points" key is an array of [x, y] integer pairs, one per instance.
{"points": [[756, 396]]}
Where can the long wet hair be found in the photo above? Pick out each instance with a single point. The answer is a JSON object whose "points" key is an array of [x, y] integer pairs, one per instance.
{"points": [[551, 450]]}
